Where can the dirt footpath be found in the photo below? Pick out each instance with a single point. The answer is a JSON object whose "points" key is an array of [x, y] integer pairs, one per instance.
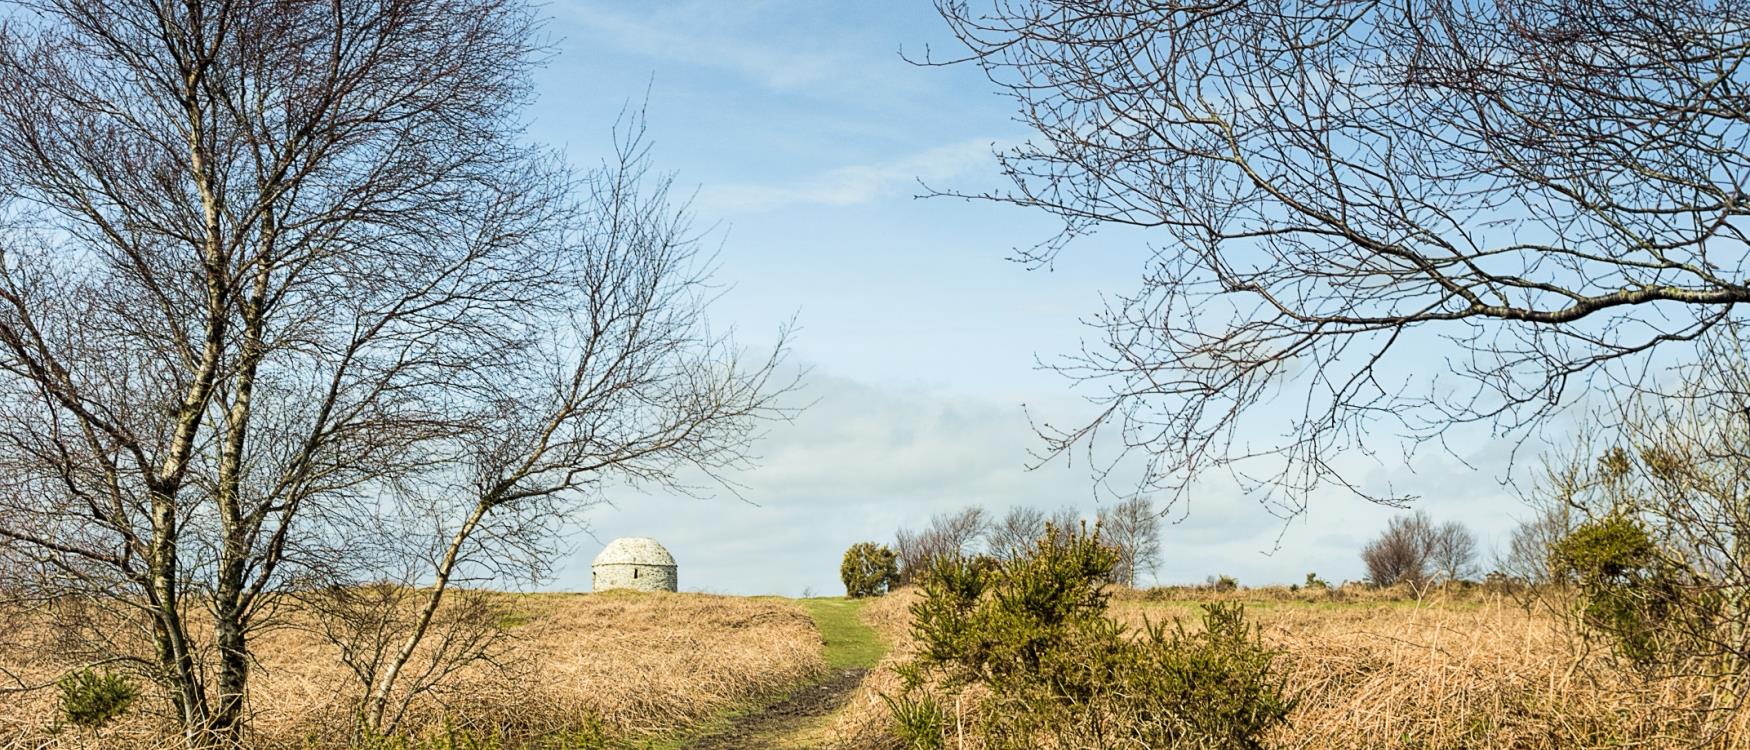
{"points": [[794, 723]]}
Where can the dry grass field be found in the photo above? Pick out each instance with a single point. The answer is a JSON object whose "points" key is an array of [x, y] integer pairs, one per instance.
{"points": [[638, 664], [1445, 673], [1370, 671]]}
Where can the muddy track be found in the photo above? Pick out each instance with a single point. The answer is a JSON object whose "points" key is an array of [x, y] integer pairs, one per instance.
{"points": [[770, 728]]}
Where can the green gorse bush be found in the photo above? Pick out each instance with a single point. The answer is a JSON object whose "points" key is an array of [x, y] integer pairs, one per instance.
{"points": [[1632, 593], [869, 569], [1027, 643]]}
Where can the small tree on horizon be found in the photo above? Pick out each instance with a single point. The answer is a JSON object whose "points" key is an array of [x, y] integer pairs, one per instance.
{"points": [[1414, 550], [1016, 533], [1400, 553], [956, 534], [1452, 554], [869, 569], [1133, 529]]}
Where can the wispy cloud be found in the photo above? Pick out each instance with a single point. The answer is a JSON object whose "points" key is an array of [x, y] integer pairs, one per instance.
{"points": [[854, 184], [867, 459], [741, 38]]}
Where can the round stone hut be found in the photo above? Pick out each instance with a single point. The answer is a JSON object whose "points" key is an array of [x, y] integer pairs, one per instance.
{"points": [[633, 563]]}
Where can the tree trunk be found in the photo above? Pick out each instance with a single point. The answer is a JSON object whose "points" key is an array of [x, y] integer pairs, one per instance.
{"points": [[377, 702], [231, 633], [231, 613], [164, 596]]}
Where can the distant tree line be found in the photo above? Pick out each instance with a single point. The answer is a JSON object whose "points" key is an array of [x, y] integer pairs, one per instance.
{"points": [[1131, 529], [1412, 550]]}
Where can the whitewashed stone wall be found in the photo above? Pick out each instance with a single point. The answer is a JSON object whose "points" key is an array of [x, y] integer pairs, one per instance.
{"points": [[636, 576]]}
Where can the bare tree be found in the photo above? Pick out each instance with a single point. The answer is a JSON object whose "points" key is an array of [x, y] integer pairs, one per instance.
{"points": [[1016, 532], [1066, 518], [1452, 552], [957, 534], [370, 622], [1547, 189], [1527, 555], [281, 286], [634, 388], [1415, 551], [1401, 553], [1133, 528]]}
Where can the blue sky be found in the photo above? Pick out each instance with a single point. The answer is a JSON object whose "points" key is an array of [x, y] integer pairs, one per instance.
{"points": [[805, 135]]}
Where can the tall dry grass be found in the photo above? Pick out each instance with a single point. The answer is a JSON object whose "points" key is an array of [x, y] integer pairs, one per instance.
{"points": [[633, 664], [1447, 672]]}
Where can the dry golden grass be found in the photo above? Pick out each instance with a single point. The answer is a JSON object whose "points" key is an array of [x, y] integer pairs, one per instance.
{"points": [[1454, 672], [1475, 671], [640, 664], [1372, 671]]}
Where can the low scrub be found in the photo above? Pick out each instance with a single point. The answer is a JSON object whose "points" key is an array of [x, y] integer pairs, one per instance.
{"points": [[1456, 670], [90, 699], [1025, 647]]}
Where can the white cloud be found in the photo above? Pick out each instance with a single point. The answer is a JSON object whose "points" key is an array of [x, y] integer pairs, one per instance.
{"points": [[743, 38], [867, 459], [855, 184]]}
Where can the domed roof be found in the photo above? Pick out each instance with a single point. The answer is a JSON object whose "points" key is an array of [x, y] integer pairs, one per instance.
{"points": [[634, 550]]}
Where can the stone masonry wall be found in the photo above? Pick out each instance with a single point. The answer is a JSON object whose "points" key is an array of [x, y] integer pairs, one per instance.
{"points": [[634, 576]]}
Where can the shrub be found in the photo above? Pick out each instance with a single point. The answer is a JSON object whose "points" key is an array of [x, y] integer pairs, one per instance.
{"points": [[1629, 591], [869, 569], [1222, 584], [91, 699], [1028, 645], [1313, 581], [1215, 688]]}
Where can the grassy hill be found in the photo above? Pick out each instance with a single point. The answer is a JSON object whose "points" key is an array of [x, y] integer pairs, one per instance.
{"points": [[621, 665]]}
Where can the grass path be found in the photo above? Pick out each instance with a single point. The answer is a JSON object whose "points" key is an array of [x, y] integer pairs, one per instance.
{"points": [[799, 720], [850, 644]]}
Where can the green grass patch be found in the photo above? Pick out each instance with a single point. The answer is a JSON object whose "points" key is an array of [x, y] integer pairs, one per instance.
{"points": [[850, 644]]}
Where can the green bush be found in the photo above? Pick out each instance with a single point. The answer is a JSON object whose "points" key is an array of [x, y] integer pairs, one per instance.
{"points": [[1214, 688], [1630, 591], [91, 699], [1048, 668], [869, 569]]}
